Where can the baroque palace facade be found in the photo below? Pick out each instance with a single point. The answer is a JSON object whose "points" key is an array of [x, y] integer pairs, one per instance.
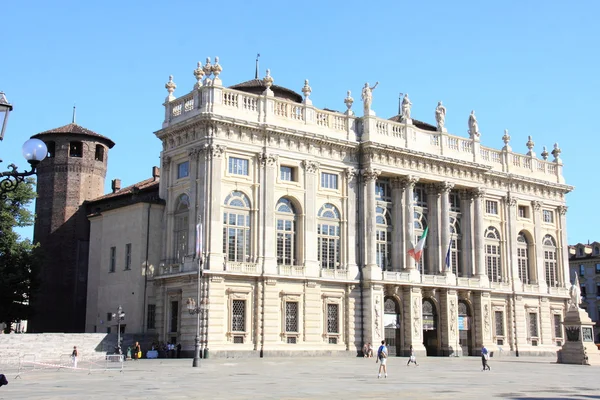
{"points": [[307, 216]]}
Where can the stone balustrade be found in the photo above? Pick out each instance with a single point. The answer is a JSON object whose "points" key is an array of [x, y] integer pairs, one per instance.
{"points": [[170, 267]]}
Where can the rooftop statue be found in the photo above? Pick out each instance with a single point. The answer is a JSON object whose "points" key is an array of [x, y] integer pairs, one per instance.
{"points": [[440, 116], [406, 105], [367, 96], [473, 125]]}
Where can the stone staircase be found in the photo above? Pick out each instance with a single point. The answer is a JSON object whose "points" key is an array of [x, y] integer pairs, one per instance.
{"points": [[51, 346]]}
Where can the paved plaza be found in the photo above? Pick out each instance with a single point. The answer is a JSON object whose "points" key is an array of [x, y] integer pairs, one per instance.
{"points": [[313, 378]]}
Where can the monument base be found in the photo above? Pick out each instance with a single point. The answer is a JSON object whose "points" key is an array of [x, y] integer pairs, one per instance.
{"points": [[579, 347]]}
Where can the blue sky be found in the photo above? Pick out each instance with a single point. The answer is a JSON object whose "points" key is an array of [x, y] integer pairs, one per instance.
{"points": [[527, 66]]}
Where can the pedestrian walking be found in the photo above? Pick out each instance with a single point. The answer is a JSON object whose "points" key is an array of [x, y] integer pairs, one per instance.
{"points": [[178, 350], [382, 355], [74, 356], [485, 355], [412, 357]]}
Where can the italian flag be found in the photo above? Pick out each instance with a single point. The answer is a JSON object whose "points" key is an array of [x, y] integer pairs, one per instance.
{"points": [[417, 251]]}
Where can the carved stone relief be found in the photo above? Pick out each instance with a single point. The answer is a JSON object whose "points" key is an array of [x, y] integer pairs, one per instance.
{"points": [[417, 317]]}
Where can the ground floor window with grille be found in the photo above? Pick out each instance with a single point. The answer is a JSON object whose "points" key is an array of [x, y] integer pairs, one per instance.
{"points": [[333, 318], [238, 320], [499, 321], [151, 321], [533, 327], [558, 329]]}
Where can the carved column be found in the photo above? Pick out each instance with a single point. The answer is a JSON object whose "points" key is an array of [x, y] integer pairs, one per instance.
{"points": [[398, 242], [311, 261], [562, 246], [449, 322], [466, 228], [432, 243], [163, 188], [511, 264], [409, 233], [193, 155], [482, 309], [351, 222], [268, 164], [445, 188], [370, 177], [480, 269], [214, 225], [412, 323], [539, 247]]}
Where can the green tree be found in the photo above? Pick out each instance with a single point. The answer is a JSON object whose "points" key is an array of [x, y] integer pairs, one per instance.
{"points": [[19, 260]]}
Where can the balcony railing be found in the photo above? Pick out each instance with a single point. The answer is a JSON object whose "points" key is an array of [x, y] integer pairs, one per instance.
{"points": [[241, 267], [291, 270], [171, 266]]}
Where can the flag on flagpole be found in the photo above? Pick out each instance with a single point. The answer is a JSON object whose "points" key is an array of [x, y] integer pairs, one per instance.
{"points": [[417, 251], [448, 253], [198, 239]]}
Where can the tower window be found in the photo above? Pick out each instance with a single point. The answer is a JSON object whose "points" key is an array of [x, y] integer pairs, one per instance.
{"points": [[51, 146], [76, 149], [99, 156]]}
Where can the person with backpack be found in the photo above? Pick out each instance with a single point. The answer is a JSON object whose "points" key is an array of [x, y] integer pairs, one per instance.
{"points": [[382, 355]]}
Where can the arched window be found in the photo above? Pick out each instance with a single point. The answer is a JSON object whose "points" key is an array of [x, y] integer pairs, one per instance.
{"points": [[550, 260], [76, 149], [99, 154], [236, 227], [455, 244], [180, 232], [328, 237], [383, 236], [286, 232], [492, 254], [523, 257], [51, 146]]}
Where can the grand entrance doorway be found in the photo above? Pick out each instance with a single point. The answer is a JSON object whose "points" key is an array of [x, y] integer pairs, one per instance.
{"points": [[430, 334], [391, 322], [464, 328]]}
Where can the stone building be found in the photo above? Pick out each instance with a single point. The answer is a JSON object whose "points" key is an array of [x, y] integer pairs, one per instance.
{"points": [[584, 261], [72, 173], [303, 218]]}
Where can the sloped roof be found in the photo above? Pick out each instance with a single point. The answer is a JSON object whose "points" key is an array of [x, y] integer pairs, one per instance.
{"points": [[416, 122], [74, 129], [257, 86], [146, 185]]}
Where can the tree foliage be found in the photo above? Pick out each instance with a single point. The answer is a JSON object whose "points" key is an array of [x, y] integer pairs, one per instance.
{"points": [[19, 259]]}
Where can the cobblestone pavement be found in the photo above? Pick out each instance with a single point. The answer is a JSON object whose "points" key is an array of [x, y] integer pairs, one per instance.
{"points": [[313, 378]]}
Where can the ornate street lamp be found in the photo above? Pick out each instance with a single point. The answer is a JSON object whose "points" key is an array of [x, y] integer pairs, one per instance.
{"points": [[34, 151], [197, 309], [119, 315]]}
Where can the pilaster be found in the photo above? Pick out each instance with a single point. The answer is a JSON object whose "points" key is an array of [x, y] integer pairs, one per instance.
{"points": [[268, 164], [480, 270], [444, 189], [311, 262], [562, 248], [409, 233], [351, 222], [372, 270], [482, 310], [413, 320], [449, 323], [539, 248], [214, 229], [512, 264]]}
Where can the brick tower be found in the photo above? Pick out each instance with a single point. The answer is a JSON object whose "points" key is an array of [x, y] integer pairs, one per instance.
{"points": [[73, 172]]}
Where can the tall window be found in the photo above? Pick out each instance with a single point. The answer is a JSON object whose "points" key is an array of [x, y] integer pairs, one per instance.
{"points": [[581, 270], [333, 318], [492, 254], [236, 227], [174, 323], [454, 198], [383, 191], [238, 166], [550, 260], [455, 244], [51, 146], [238, 316], [286, 173], [113, 259], [491, 207], [151, 321], [128, 256], [533, 325], [420, 225], [523, 257], [383, 236], [419, 196], [548, 216], [286, 232], [180, 233], [499, 320], [99, 154], [329, 181], [328, 236], [558, 331], [291, 316], [183, 169]]}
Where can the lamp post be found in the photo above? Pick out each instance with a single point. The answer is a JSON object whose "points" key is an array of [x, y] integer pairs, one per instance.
{"points": [[119, 315], [34, 151], [197, 309]]}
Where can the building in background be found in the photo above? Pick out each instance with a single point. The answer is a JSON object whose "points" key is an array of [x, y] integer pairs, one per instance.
{"points": [[584, 261], [290, 226]]}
